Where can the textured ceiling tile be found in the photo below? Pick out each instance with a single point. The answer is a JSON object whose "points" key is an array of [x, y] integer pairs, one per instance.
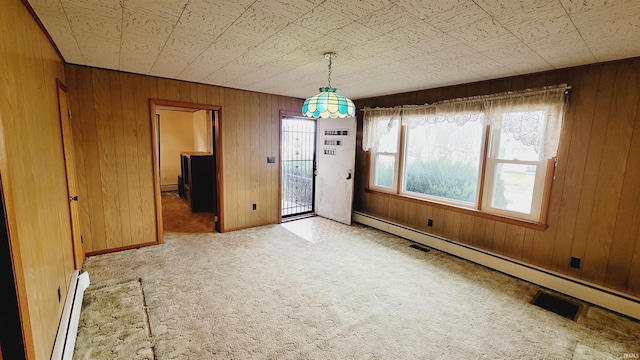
{"points": [[163, 8], [482, 34], [179, 51], [262, 74], [273, 44], [437, 43], [326, 44], [59, 28], [139, 52], [609, 17], [235, 42], [460, 16], [527, 66], [601, 9], [156, 21], [387, 19], [211, 17], [204, 24], [512, 51], [206, 64], [500, 8], [316, 20], [169, 67], [274, 48], [616, 39], [260, 19], [355, 33], [100, 52], [289, 9], [535, 24], [92, 11], [51, 7], [425, 9], [459, 55], [99, 26], [414, 32], [374, 48], [355, 9], [294, 32], [406, 52], [227, 73], [487, 68], [559, 50]]}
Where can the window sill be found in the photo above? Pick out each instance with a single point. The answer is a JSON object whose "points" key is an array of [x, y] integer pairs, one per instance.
{"points": [[513, 221]]}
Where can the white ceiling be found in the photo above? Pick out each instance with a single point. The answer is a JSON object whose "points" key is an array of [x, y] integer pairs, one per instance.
{"points": [[383, 46]]}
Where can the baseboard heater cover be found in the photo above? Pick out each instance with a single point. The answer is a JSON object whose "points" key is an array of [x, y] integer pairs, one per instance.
{"points": [[68, 328], [591, 293]]}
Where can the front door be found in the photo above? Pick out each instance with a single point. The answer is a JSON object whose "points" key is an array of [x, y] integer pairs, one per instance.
{"points": [[336, 148], [70, 165], [298, 159]]}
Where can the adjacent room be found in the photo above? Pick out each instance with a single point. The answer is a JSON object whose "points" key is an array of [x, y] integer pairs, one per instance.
{"points": [[320, 179], [185, 168]]}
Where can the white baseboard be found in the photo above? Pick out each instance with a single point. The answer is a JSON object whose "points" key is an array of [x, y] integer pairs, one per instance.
{"points": [[592, 293], [68, 328]]}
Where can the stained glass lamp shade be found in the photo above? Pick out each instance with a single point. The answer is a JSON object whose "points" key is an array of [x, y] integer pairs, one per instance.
{"points": [[328, 103]]}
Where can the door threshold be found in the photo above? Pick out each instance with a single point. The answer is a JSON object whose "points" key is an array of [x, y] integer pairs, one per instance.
{"points": [[297, 217]]}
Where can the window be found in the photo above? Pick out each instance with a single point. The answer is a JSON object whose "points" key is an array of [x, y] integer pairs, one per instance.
{"points": [[488, 153], [385, 158], [442, 161], [515, 175]]}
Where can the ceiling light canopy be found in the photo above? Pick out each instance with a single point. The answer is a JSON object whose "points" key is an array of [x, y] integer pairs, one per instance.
{"points": [[328, 103]]}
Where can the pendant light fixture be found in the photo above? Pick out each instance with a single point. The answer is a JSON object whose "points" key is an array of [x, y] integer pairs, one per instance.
{"points": [[328, 103]]}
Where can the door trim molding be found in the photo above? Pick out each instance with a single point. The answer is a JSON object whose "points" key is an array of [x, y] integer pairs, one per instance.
{"points": [[283, 113], [68, 147], [217, 123]]}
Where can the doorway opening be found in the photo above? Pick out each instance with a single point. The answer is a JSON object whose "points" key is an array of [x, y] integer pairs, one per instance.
{"points": [[298, 159], [186, 166]]}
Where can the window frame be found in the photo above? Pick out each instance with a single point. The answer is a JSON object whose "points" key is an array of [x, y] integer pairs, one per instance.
{"points": [[479, 186], [373, 153], [492, 162], [545, 170]]}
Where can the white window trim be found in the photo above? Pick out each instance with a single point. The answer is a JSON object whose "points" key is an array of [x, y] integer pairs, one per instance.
{"points": [[396, 167]]}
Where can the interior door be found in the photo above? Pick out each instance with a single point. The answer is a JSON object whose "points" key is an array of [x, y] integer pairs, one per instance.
{"points": [[336, 155], [72, 186]]}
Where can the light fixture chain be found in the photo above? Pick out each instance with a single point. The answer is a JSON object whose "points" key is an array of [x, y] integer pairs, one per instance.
{"points": [[330, 58]]}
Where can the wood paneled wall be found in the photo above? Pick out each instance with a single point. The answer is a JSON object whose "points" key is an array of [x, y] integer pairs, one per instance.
{"points": [[112, 128], [33, 174], [595, 198]]}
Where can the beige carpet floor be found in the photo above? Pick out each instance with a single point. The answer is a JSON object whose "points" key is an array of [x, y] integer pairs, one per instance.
{"points": [[114, 323], [266, 293]]}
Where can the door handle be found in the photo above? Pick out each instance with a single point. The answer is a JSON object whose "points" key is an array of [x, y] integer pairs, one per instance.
{"points": [[349, 175], [73, 198]]}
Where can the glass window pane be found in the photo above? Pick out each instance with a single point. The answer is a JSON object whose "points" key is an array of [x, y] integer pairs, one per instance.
{"points": [[521, 136], [389, 143], [513, 187], [443, 160], [384, 167]]}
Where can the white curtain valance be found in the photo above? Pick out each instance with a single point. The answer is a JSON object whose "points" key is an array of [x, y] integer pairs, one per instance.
{"points": [[516, 112], [378, 123]]}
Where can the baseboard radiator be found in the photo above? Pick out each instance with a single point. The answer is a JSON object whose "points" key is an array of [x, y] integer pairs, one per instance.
{"points": [[68, 328], [591, 293]]}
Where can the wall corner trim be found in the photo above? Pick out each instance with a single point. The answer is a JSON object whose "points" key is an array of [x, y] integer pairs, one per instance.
{"points": [[591, 293]]}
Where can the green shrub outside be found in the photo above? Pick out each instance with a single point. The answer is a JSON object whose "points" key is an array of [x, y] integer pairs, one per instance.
{"points": [[444, 178]]}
